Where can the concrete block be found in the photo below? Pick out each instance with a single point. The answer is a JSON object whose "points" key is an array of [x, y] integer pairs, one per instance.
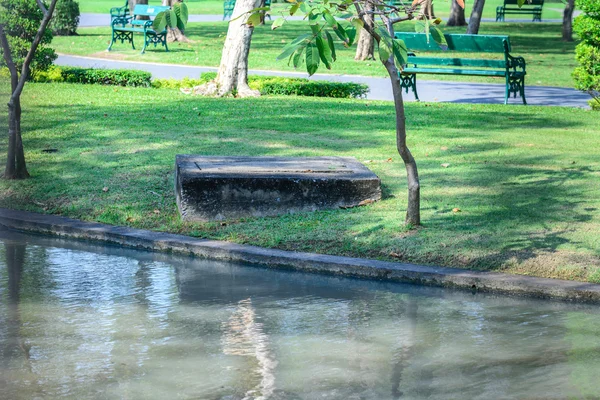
{"points": [[212, 188]]}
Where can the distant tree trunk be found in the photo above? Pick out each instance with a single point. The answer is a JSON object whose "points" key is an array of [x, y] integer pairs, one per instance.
{"points": [[366, 43], [475, 19], [457, 15], [233, 70], [567, 28], [132, 4], [174, 34], [263, 14]]}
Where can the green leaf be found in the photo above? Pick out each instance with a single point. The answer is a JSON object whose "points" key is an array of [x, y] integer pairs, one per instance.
{"points": [[180, 25], [254, 19], [358, 23], [331, 45], [400, 53], [181, 10], [313, 18], [351, 32], [277, 23], [419, 26], [341, 33], [294, 8], [384, 51], [324, 52], [160, 22], [439, 37], [329, 18], [293, 46], [520, 3], [298, 60], [171, 18], [312, 58]]}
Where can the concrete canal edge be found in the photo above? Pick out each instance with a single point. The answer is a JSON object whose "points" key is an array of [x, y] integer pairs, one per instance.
{"points": [[355, 267]]}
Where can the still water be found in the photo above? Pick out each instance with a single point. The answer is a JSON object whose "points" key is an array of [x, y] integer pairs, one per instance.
{"points": [[81, 321]]}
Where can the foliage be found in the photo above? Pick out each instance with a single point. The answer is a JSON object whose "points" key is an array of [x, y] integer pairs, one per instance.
{"points": [[273, 85], [117, 77], [66, 18], [22, 19], [587, 53], [176, 17]]}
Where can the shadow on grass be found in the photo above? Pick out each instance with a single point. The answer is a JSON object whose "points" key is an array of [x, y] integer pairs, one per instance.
{"points": [[514, 204]]}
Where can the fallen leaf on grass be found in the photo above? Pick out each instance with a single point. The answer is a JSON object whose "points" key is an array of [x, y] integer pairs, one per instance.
{"points": [[395, 255], [456, 210], [365, 202], [156, 211], [445, 165], [105, 189], [443, 148]]}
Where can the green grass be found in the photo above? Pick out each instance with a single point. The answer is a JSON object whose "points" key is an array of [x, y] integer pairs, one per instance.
{"points": [[216, 7], [524, 178], [550, 61]]}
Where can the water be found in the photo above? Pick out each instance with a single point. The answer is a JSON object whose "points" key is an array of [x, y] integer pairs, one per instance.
{"points": [[80, 321]]}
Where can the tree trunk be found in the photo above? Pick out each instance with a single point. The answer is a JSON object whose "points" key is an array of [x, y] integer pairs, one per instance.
{"points": [[366, 44], [567, 28], [233, 70], [175, 34], [457, 15], [475, 19], [132, 4]]}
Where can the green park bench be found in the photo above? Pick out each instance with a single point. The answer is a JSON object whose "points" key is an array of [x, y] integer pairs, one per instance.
{"points": [[512, 68], [228, 6], [532, 7], [123, 28], [120, 13]]}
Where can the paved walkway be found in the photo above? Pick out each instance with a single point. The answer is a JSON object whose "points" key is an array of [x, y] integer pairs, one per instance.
{"points": [[430, 91]]}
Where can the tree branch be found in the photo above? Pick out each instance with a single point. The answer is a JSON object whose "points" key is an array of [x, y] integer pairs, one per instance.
{"points": [[29, 58], [42, 7], [14, 76]]}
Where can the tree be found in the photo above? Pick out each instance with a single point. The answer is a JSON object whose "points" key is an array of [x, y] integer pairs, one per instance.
{"points": [[475, 19], [587, 26], [366, 45], [567, 28], [232, 75], [317, 47], [457, 14], [16, 167]]}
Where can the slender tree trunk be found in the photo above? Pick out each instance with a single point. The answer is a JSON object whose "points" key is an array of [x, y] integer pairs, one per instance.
{"points": [[457, 15], [366, 44], [567, 28], [175, 34], [233, 70], [475, 19]]}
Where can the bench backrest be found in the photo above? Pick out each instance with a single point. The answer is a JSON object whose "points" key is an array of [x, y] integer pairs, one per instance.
{"points": [[527, 3], [148, 11], [456, 42]]}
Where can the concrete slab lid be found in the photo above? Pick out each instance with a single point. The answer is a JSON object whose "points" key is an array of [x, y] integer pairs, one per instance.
{"points": [[261, 167]]}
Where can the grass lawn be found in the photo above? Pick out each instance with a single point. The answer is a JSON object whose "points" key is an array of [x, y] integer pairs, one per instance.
{"points": [[524, 178], [550, 61], [551, 10]]}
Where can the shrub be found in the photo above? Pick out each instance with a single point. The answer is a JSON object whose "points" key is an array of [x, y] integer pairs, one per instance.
{"points": [[274, 85], [587, 26], [118, 77], [66, 18], [22, 19]]}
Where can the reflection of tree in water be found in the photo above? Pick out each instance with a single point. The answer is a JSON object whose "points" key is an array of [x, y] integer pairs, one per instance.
{"points": [[244, 337]]}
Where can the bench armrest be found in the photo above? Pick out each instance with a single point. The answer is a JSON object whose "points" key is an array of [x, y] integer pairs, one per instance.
{"points": [[119, 11], [517, 64], [120, 20]]}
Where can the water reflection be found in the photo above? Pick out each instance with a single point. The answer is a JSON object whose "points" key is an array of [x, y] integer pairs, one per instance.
{"points": [[122, 324]]}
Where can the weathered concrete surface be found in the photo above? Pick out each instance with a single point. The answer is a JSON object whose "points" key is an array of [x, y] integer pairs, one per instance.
{"points": [[216, 188], [370, 269]]}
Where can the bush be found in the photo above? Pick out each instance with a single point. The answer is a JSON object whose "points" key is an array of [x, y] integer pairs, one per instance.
{"points": [[117, 77], [21, 20], [66, 18], [587, 26], [274, 85]]}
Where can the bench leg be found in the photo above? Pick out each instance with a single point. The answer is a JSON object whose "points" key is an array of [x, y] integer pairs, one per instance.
{"points": [[409, 82], [122, 36], [515, 86]]}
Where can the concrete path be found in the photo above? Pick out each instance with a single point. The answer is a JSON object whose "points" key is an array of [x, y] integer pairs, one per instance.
{"points": [[429, 91]]}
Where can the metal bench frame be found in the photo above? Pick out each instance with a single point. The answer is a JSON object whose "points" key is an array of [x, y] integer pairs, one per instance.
{"points": [[532, 7], [512, 68], [124, 27]]}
